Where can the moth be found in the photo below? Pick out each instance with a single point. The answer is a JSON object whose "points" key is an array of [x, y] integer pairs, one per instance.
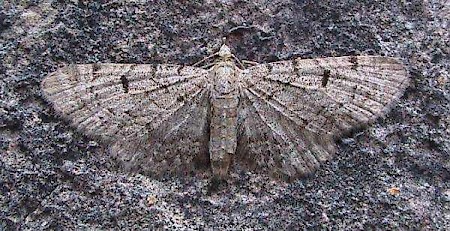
{"points": [[281, 118]]}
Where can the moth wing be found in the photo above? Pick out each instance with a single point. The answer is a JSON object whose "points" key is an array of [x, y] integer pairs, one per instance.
{"points": [[293, 111], [145, 112]]}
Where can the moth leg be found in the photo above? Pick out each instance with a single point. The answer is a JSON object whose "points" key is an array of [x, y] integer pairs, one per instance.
{"points": [[205, 59], [238, 61], [207, 66], [251, 63]]}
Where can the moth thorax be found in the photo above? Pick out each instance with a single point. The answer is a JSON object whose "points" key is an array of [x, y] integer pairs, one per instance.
{"points": [[225, 80]]}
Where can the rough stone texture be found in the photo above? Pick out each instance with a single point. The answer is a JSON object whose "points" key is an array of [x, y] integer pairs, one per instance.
{"points": [[392, 175]]}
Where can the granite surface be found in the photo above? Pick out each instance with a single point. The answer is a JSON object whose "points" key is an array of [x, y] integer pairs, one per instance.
{"points": [[392, 175]]}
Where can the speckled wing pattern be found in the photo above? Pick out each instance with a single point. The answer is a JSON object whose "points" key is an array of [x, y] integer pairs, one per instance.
{"points": [[288, 114], [153, 116], [292, 112]]}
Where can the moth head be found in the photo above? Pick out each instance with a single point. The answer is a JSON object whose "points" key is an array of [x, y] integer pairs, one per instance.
{"points": [[225, 52]]}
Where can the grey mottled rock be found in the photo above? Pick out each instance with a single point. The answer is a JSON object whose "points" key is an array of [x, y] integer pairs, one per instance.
{"points": [[53, 177]]}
